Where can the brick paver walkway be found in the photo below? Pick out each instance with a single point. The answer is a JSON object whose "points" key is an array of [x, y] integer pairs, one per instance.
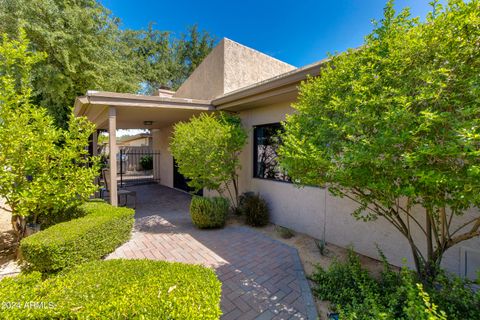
{"points": [[261, 278]]}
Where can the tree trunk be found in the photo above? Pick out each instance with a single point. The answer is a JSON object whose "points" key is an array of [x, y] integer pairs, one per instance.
{"points": [[19, 225]]}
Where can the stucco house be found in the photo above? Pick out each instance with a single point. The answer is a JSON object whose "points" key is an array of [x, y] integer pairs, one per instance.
{"points": [[260, 89], [138, 140]]}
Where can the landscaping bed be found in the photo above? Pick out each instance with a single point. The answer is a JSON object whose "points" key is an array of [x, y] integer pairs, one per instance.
{"points": [[115, 289]]}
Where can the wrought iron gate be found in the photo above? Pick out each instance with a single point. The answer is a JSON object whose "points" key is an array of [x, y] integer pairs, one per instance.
{"points": [[138, 165]]}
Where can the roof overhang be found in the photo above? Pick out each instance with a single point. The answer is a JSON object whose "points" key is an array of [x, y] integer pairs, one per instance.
{"points": [[133, 110]]}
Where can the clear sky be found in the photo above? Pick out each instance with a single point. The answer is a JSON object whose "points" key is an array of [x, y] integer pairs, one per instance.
{"points": [[297, 32]]}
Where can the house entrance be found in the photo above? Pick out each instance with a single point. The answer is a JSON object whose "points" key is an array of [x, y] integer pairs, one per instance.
{"points": [[180, 182]]}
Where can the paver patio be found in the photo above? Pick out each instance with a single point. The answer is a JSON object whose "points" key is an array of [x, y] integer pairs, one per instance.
{"points": [[262, 278]]}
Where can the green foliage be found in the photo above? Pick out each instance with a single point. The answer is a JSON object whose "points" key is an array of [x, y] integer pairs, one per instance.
{"points": [[399, 118], [146, 162], [209, 212], [284, 232], [48, 220], [206, 150], [81, 39], [99, 232], [45, 170], [116, 289], [255, 210], [456, 297], [87, 51], [164, 61], [395, 295]]}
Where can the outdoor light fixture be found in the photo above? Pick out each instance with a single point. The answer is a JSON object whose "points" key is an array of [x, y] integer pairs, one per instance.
{"points": [[148, 123]]}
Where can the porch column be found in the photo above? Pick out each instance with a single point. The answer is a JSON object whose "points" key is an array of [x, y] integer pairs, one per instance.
{"points": [[94, 154], [156, 154], [112, 144], [95, 143]]}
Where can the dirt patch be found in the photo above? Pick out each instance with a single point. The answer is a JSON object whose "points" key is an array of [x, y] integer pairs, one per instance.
{"points": [[311, 257], [8, 241]]}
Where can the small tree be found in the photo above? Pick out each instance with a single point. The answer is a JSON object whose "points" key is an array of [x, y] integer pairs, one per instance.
{"points": [[206, 150], [44, 170], [396, 124]]}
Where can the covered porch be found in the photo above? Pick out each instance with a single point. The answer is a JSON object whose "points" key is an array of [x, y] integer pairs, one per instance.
{"points": [[111, 111]]}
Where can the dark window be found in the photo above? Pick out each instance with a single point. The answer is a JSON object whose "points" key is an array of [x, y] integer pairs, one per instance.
{"points": [[265, 159]]}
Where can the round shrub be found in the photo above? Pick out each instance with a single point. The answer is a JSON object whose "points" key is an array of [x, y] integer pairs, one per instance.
{"points": [[209, 212], [255, 209], [115, 289]]}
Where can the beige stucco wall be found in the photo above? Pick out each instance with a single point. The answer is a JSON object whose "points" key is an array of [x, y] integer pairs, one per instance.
{"points": [[206, 81], [228, 67], [245, 66], [160, 142], [140, 142], [308, 209]]}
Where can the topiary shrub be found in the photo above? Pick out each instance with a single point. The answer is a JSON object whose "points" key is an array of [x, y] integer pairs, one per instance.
{"points": [[115, 289], [91, 237], [209, 212], [48, 220], [255, 209]]}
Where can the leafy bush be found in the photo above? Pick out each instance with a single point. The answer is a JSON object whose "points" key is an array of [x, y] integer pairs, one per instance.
{"points": [[146, 162], [396, 295], [206, 149], [255, 210], [91, 237], [116, 289], [45, 170], [209, 212]]}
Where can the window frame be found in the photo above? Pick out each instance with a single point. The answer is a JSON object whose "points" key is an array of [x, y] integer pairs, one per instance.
{"points": [[255, 152]]}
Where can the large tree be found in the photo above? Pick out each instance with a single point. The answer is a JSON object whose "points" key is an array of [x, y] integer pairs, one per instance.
{"points": [[162, 60], [88, 51], [82, 40], [395, 125]]}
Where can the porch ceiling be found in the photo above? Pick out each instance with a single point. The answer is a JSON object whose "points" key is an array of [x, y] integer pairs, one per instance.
{"points": [[132, 110]]}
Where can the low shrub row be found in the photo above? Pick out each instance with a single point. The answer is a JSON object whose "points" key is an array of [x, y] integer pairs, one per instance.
{"points": [[100, 231], [209, 212], [115, 289], [356, 294]]}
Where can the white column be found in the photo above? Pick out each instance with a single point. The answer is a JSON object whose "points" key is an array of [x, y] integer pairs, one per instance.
{"points": [[112, 143]]}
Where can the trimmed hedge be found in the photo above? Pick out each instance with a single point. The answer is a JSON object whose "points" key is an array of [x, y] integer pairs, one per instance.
{"points": [[209, 212], [88, 238], [115, 289]]}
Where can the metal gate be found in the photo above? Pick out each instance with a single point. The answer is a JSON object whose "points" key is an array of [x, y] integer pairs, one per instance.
{"points": [[138, 165]]}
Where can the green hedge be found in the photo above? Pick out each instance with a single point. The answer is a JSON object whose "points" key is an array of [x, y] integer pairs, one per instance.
{"points": [[91, 237], [115, 289], [209, 212]]}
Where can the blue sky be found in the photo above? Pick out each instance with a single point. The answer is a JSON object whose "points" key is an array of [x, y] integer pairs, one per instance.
{"points": [[298, 32]]}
